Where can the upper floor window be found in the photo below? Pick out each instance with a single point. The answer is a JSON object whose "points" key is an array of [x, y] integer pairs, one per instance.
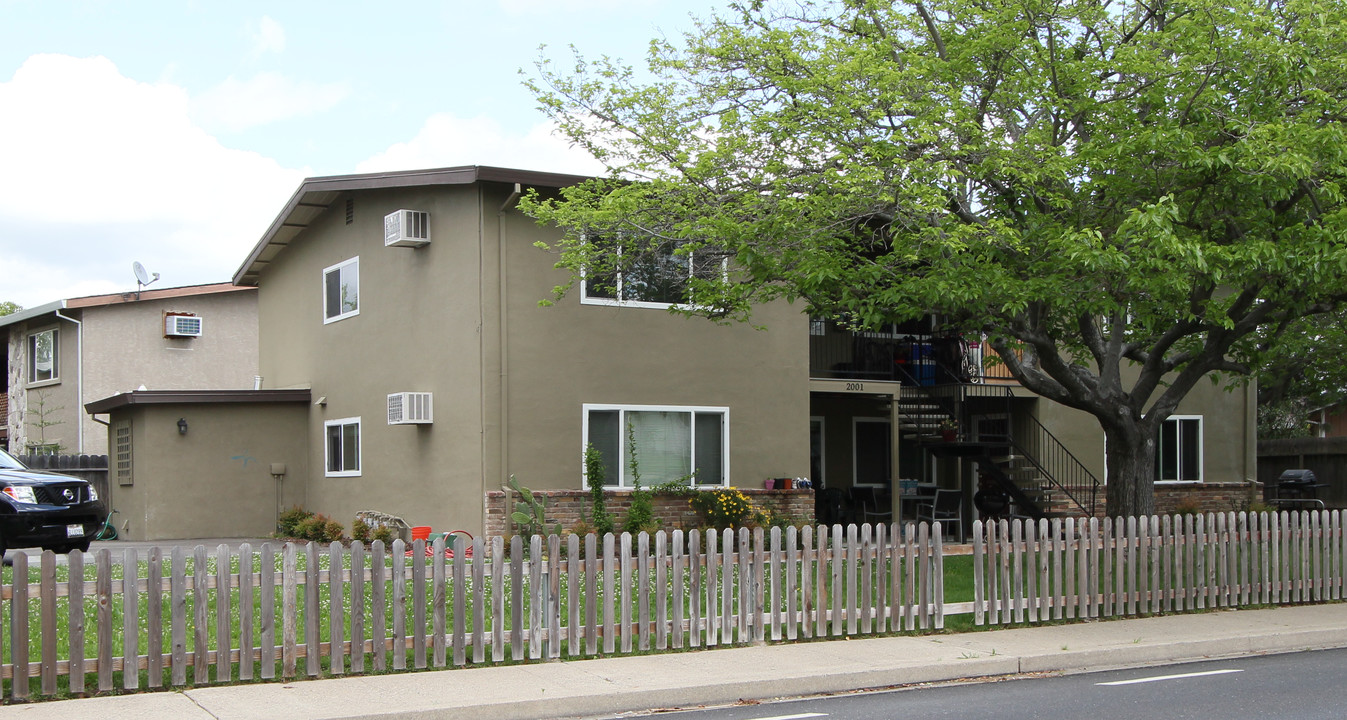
{"points": [[1179, 450], [655, 275], [341, 290], [664, 442], [44, 356]]}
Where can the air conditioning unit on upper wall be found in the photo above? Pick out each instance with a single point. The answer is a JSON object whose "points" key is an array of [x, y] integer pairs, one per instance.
{"points": [[407, 228], [410, 408], [181, 325]]}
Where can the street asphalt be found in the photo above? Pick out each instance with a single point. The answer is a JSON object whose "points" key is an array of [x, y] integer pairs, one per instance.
{"points": [[605, 686]]}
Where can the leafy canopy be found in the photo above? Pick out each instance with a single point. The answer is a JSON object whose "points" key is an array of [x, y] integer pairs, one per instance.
{"points": [[1124, 196]]}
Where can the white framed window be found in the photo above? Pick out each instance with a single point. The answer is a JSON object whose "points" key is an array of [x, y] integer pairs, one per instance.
{"points": [[44, 357], [657, 278], [1178, 450], [871, 452], [670, 442], [343, 447], [341, 290]]}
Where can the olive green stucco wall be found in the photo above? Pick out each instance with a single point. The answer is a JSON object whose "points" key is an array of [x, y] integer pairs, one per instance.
{"points": [[460, 318], [416, 331], [560, 357], [1229, 427], [216, 480]]}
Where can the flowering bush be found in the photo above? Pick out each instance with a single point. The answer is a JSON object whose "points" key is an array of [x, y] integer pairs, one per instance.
{"points": [[722, 507]]}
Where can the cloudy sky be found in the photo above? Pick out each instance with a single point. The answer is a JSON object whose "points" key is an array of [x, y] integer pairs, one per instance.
{"points": [[171, 133]]}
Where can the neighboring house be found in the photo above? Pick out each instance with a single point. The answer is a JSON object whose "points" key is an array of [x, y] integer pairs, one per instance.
{"points": [[407, 359], [1329, 421], [64, 354]]}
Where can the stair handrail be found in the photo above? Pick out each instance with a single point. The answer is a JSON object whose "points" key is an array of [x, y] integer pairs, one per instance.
{"points": [[1090, 484]]}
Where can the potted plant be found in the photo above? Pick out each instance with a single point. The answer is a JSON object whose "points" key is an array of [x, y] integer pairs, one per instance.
{"points": [[949, 429]]}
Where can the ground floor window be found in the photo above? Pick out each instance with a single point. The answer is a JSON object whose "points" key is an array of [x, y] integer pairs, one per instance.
{"points": [[1179, 449], [665, 442], [343, 447]]}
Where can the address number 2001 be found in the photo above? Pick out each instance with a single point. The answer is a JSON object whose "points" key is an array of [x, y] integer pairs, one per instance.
{"points": [[855, 387]]}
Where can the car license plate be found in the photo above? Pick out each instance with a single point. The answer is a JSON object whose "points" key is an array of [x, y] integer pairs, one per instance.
{"points": [[74, 531]]}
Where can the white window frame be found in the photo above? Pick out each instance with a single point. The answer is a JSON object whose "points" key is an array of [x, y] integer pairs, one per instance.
{"points": [[337, 268], [1201, 450], [359, 448], [585, 299], [30, 345], [623, 468], [856, 422]]}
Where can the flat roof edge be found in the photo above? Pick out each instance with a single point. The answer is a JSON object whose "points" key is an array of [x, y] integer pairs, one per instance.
{"points": [[195, 397]]}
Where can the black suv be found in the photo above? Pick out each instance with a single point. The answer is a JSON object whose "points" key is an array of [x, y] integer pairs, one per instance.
{"points": [[46, 510]]}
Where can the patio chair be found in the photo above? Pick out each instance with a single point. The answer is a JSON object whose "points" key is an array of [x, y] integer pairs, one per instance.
{"points": [[946, 510], [874, 504]]}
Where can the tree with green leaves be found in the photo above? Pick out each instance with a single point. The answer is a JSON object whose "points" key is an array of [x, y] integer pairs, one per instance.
{"points": [[9, 308], [1125, 198], [1302, 373]]}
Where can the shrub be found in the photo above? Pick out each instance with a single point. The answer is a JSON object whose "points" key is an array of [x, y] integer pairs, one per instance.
{"points": [[384, 534], [723, 507], [317, 528], [331, 532], [360, 530], [288, 522]]}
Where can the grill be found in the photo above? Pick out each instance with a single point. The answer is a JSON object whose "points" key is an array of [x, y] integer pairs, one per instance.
{"points": [[61, 494], [1298, 487]]}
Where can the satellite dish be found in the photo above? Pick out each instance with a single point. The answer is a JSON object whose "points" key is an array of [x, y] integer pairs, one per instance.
{"points": [[142, 278]]}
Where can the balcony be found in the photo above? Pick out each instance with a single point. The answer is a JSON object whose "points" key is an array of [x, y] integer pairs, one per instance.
{"points": [[893, 353]]}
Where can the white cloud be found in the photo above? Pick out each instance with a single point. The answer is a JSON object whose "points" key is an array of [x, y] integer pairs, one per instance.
{"points": [[267, 36], [446, 140], [266, 97], [100, 170]]}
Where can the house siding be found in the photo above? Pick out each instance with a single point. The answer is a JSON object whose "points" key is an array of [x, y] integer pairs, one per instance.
{"points": [[460, 318], [123, 347], [417, 330], [1229, 424], [560, 357]]}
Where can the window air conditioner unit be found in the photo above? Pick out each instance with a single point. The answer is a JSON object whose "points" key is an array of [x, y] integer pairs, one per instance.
{"points": [[182, 326], [410, 408], [407, 228]]}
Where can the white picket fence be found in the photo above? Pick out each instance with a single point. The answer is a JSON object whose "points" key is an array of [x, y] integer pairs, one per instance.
{"points": [[129, 622], [1036, 571]]}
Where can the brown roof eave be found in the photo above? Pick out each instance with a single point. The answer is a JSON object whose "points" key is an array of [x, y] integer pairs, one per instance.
{"points": [[462, 175], [195, 397]]}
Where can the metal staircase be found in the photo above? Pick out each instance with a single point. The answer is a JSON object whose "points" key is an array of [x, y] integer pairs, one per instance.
{"points": [[1041, 477]]}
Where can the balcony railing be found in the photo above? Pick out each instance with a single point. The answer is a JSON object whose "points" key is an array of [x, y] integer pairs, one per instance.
{"points": [[908, 358]]}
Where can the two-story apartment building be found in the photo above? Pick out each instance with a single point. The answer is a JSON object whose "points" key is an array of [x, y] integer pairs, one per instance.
{"points": [[64, 354], [411, 369]]}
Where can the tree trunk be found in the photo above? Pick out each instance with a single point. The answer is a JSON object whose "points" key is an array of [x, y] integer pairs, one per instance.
{"points": [[1130, 458]]}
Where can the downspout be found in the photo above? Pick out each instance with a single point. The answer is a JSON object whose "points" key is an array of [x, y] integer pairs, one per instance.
{"points": [[503, 328], [79, 376]]}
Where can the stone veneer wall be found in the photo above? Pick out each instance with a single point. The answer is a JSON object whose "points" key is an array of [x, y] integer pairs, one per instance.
{"points": [[565, 507]]}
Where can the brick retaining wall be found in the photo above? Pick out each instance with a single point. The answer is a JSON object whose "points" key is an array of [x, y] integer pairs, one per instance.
{"points": [[1206, 497], [566, 506]]}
